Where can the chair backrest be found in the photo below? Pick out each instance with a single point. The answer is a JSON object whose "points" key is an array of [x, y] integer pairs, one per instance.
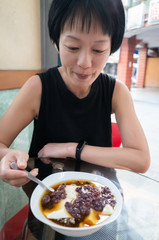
{"points": [[116, 139]]}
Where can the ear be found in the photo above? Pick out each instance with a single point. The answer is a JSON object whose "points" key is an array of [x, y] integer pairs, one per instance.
{"points": [[56, 47]]}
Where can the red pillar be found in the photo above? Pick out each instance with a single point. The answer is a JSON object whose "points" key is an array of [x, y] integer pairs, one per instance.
{"points": [[142, 67], [125, 64]]}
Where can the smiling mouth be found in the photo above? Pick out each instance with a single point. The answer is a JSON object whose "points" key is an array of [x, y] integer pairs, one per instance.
{"points": [[83, 76]]}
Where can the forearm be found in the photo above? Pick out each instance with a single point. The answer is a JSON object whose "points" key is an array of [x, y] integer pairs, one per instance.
{"points": [[136, 160], [121, 158]]}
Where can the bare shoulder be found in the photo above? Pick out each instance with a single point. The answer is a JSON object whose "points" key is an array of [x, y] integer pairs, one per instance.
{"points": [[121, 96], [120, 88], [33, 84], [30, 93]]}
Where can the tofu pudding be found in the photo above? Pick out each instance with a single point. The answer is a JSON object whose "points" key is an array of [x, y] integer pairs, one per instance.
{"points": [[78, 203]]}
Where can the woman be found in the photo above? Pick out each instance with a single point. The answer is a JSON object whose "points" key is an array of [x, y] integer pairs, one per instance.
{"points": [[74, 102]]}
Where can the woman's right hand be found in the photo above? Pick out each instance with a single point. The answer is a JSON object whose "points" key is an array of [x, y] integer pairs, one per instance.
{"points": [[15, 177]]}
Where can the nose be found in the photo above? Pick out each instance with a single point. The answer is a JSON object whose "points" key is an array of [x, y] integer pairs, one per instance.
{"points": [[84, 59]]}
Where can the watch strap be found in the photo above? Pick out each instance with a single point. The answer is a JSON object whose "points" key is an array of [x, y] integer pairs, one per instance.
{"points": [[79, 149]]}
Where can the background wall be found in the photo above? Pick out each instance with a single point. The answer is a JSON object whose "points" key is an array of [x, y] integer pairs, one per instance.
{"points": [[20, 41]]}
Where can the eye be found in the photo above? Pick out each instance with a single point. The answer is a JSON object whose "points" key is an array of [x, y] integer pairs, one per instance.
{"points": [[98, 51], [73, 48]]}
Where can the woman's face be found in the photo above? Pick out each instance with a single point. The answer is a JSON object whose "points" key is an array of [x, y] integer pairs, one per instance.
{"points": [[83, 56]]}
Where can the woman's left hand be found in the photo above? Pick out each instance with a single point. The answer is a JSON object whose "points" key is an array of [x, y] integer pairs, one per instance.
{"points": [[58, 150]]}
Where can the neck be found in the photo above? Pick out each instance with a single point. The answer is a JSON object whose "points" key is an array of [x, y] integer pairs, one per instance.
{"points": [[79, 91]]}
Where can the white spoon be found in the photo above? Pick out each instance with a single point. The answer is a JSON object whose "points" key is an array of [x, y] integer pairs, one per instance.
{"points": [[14, 166]]}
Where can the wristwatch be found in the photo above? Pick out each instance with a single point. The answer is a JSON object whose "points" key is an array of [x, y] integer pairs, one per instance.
{"points": [[79, 149]]}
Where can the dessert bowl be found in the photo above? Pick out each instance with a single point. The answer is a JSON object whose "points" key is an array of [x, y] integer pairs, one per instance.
{"points": [[56, 178]]}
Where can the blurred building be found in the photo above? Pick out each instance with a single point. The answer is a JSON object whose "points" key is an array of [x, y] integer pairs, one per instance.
{"points": [[139, 54]]}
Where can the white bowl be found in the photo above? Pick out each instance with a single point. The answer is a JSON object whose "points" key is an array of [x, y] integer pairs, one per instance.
{"points": [[62, 176]]}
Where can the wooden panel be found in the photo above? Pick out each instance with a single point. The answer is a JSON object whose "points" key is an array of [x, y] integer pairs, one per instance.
{"points": [[11, 79], [152, 73]]}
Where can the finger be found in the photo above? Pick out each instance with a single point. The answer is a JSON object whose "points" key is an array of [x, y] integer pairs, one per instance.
{"points": [[45, 160], [34, 172], [19, 182], [12, 174], [40, 153], [22, 159]]}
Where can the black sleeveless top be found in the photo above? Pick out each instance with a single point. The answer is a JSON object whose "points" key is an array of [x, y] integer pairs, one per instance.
{"points": [[65, 118]]}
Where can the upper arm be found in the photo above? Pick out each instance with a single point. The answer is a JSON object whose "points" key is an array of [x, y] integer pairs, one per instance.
{"points": [[22, 111], [131, 131]]}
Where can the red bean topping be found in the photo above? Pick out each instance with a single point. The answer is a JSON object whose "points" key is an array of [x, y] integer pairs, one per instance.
{"points": [[88, 197]]}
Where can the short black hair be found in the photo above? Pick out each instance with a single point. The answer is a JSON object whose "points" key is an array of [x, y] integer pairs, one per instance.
{"points": [[108, 13]]}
